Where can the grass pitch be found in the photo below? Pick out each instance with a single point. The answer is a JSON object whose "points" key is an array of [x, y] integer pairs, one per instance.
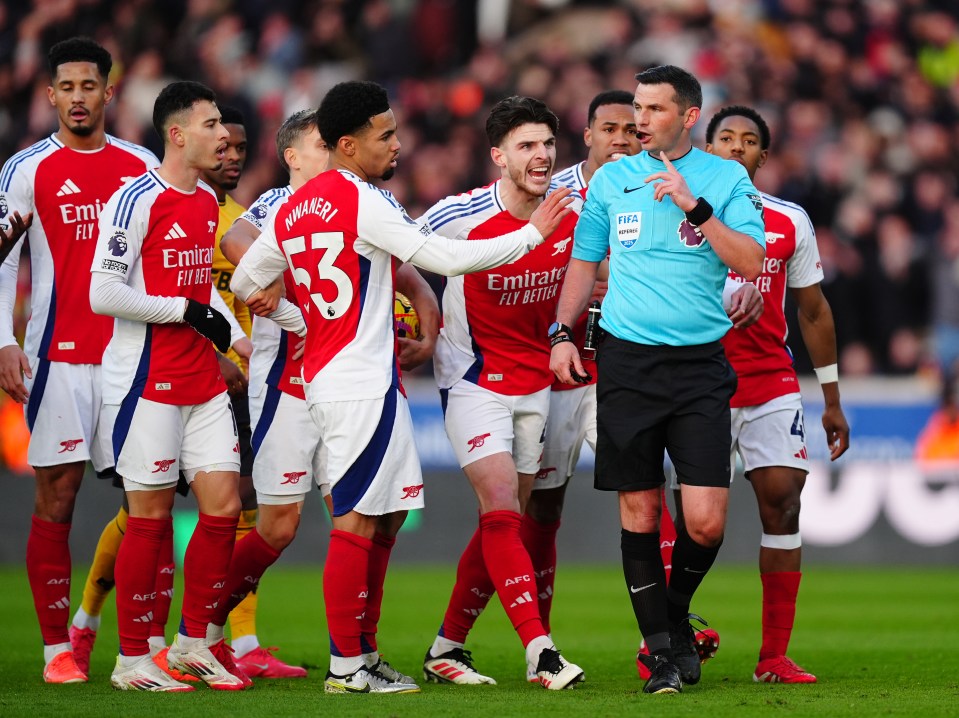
{"points": [[882, 641]]}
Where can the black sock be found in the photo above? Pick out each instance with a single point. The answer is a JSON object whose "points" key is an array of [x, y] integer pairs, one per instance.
{"points": [[646, 582], [691, 561]]}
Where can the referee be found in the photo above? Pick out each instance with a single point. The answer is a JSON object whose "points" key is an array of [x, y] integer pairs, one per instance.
{"points": [[672, 220]]}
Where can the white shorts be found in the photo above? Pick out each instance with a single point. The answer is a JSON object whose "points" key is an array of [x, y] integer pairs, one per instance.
{"points": [[64, 415], [153, 442], [572, 419], [771, 434], [480, 423], [370, 457], [286, 448]]}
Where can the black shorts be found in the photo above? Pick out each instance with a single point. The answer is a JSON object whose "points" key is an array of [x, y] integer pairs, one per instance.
{"points": [[652, 399], [241, 414]]}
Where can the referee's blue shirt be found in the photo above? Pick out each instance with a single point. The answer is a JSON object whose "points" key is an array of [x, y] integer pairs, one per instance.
{"points": [[665, 280]]}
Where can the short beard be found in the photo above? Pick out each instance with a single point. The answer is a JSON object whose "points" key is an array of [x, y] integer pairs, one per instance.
{"points": [[82, 130], [388, 174]]}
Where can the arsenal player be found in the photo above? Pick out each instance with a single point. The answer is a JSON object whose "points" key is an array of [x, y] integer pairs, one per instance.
{"points": [[768, 429], [492, 368], [61, 184], [287, 461], [164, 392]]}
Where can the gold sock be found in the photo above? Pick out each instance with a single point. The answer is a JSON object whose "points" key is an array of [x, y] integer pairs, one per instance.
{"points": [[100, 579]]}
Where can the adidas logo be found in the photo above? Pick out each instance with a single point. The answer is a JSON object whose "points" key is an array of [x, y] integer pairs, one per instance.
{"points": [[547, 593], [474, 611], [68, 187], [524, 598], [62, 603], [176, 232], [145, 618], [168, 593]]}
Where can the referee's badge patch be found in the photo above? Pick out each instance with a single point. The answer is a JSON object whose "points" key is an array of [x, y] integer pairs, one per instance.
{"points": [[628, 225]]}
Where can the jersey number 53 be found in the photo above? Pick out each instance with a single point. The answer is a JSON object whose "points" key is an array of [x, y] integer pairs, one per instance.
{"points": [[333, 302]]}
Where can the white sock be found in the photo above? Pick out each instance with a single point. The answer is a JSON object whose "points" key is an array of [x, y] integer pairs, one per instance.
{"points": [[345, 665], [443, 645], [371, 659], [536, 647], [54, 650], [129, 661], [186, 643], [214, 633], [82, 619], [244, 644], [157, 644]]}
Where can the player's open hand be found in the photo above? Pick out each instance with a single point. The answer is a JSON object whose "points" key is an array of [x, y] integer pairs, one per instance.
{"points": [[672, 184], [565, 363], [13, 365], [552, 210], [746, 306], [18, 226], [837, 431]]}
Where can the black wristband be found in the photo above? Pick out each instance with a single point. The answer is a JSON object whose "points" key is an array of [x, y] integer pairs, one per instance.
{"points": [[700, 213], [559, 339]]}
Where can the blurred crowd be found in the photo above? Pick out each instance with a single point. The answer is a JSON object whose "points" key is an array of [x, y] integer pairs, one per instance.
{"points": [[862, 97]]}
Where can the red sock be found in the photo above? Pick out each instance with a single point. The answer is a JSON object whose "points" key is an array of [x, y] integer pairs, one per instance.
{"points": [[252, 556], [540, 541], [375, 578], [205, 565], [667, 537], [136, 577], [48, 569], [779, 611], [512, 572], [345, 590], [164, 586], [471, 593]]}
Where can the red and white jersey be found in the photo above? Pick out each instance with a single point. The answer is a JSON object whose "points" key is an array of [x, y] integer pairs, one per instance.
{"points": [[759, 354], [160, 240], [338, 235], [65, 189], [273, 348], [495, 321], [572, 177]]}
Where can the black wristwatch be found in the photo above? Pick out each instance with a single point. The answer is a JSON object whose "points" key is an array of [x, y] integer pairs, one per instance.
{"points": [[556, 328]]}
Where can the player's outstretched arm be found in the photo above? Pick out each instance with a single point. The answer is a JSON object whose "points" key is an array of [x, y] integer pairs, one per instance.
{"points": [[18, 227], [451, 258], [818, 331]]}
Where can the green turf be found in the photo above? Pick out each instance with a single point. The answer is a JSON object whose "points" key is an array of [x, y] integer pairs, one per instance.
{"points": [[883, 642]]}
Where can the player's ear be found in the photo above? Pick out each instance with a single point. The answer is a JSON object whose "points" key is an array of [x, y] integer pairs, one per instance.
{"points": [[289, 154], [347, 145], [108, 94], [498, 157], [174, 134], [52, 96], [588, 137], [763, 156], [692, 117]]}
